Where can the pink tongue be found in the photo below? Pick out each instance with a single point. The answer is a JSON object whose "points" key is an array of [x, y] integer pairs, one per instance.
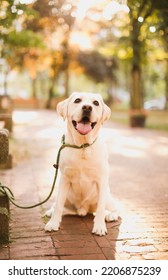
{"points": [[83, 128]]}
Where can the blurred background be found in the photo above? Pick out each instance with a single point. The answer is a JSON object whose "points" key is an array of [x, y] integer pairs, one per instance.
{"points": [[50, 48], [118, 48]]}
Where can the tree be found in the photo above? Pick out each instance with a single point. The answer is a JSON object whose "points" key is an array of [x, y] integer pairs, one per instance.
{"points": [[100, 69], [54, 22], [16, 43], [8, 15], [162, 27], [94, 65], [139, 13], [55, 68]]}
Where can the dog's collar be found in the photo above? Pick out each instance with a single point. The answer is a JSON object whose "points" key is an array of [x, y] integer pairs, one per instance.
{"points": [[85, 145]]}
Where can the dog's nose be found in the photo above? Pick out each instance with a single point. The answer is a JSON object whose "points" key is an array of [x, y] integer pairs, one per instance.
{"points": [[87, 108]]}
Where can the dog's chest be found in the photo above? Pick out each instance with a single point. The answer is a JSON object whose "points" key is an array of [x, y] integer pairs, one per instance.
{"points": [[80, 175], [82, 183], [80, 166]]}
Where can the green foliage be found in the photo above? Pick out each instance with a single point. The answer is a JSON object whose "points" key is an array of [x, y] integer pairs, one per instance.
{"points": [[50, 15], [143, 15], [10, 11], [155, 119], [97, 66], [11, 16], [24, 39], [30, 34], [94, 65]]}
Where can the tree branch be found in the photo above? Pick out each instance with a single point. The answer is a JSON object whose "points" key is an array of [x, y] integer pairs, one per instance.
{"points": [[144, 2], [149, 12]]}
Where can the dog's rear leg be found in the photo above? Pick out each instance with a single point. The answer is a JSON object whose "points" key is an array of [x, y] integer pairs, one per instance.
{"points": [[112, 211], [50, 211], [99, 226]]}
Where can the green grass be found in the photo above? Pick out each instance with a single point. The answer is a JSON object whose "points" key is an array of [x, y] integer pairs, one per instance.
{"points": [[157, 120]]}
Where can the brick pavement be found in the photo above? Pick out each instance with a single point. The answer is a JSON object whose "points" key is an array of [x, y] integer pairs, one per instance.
{"points": [[138, 164]]}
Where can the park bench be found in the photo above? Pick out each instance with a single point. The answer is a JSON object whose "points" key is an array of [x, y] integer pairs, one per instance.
{"points": [[4, 202]]}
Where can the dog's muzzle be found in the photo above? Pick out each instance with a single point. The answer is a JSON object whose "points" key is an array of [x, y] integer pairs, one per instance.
{"points": [[84, 126]]}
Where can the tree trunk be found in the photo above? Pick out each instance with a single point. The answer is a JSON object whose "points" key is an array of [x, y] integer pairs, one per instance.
{"points": [[51, 93], [110, 93], [5, 85], [137, 117], [166, 86], [136, 91], [34, 93], [66, 83], [66, 61]]}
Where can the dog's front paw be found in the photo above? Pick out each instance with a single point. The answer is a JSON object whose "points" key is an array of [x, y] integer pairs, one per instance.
{"points": [[50, 226], [99, 228]]}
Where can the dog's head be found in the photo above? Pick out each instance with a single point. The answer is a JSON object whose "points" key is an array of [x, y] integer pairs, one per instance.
{"points": [[84, 111]]}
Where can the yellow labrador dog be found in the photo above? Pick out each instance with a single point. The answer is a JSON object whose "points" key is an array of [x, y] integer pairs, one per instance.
{"points": [[84, 183]]}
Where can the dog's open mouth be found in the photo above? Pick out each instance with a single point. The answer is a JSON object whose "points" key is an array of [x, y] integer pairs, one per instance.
{"points": [[84, 126]]}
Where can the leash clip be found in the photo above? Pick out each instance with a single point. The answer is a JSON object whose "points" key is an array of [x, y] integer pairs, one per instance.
{"points": [[85, 145], [56, 166]]}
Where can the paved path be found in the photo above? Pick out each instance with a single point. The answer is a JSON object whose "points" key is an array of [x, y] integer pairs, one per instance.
{"points": [[139, 182]]}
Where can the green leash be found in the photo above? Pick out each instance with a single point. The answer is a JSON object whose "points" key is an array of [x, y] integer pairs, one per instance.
{"points": [[5, 190]]}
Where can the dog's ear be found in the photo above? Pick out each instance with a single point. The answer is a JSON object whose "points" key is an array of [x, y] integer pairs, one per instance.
{"points": [[62, 108], [106, 113]]}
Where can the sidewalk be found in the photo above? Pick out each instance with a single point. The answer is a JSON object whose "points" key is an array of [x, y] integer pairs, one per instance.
{"points": [[139, 176]]}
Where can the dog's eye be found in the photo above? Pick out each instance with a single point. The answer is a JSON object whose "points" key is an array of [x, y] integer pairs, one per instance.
{"points": [[78, 100], [96, 103]]}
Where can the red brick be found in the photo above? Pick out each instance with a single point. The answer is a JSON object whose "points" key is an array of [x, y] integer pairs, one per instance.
{"points": [[162, 247], [75, 244], [40, 252], [30, 239], [77, 251], [136, 249], [31, 246], [30, 233], [42, 258], [84, 257], [156, 256], [69, 237], [109, 253], [136, 257], [102, 241], [122, 256], [4, 252]]}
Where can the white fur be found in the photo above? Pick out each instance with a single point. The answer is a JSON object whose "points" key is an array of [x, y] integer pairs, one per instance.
{"points": [[84, 183]]}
